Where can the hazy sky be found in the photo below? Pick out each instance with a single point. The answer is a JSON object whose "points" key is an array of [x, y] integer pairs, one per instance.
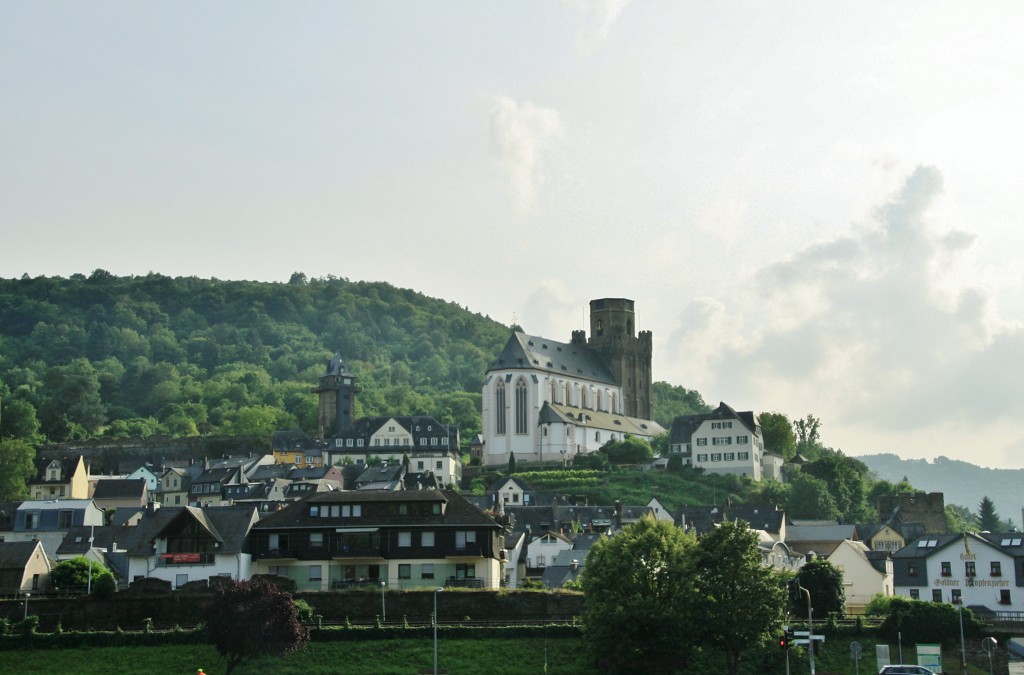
{"points": [[816, 206]]}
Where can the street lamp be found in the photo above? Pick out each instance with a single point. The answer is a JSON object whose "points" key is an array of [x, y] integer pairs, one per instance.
{"points": [[810, 627], [963, 651], [27, 596], [383, 607], [436, 591]]}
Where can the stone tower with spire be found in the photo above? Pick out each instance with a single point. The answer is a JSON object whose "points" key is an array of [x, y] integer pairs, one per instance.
{"points": [[337, 391]]}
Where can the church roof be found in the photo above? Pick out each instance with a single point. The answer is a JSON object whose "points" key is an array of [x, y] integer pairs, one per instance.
{"points": [[597, 419], [561, 358]]}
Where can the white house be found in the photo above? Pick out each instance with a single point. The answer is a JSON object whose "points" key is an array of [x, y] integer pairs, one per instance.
{"points": [[544, 548], [865, 574], [722, 441], [180, 544], [978, 571]]}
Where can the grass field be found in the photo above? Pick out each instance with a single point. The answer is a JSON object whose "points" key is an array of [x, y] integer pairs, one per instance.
{"points": [[409, 656]]}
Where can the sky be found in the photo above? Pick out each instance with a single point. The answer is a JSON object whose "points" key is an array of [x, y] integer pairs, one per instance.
{"points": [[814, 205]]}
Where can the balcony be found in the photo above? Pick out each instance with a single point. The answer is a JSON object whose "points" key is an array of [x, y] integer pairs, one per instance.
{"points": [[179, 559], [275, 554], [467, 551], [350, 551]]}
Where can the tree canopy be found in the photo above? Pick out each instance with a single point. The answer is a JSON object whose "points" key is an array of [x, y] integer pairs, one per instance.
{"points": [[16, 467], [250, 618], [825, 582], [74, 576], [640, 595]]}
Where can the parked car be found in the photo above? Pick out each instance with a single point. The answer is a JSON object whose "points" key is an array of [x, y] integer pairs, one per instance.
{"points": [[900, 669]]}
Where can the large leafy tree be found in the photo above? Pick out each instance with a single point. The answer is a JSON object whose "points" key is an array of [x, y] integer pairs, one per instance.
{"points": [[825, 582], [16, 468], [988, 519], [846, 480], [777, 431], [250, 618], [74, 575], [630, 450], [808, 436], [739, 599], [809, 497], [640, 592]]}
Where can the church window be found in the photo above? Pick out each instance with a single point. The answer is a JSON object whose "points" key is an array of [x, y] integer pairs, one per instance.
{"points": [[598, 404], [568, 394], [554, 391], [583, 398], [613, 403], [499, 408], [521, 406]]}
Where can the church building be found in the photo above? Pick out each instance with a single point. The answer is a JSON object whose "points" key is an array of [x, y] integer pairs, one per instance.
{"points": [[547, 401]]}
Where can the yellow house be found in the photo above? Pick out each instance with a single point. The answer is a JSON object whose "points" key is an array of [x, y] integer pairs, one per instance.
{"points": [[887, 539], [60, 479]]}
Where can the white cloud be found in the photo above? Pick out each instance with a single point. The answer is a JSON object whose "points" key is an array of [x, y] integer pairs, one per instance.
{"points": [[520, 133], [869, 329], [596, 18]]}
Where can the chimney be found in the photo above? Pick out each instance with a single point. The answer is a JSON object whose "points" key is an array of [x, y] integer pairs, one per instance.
{"points": [[574, 565]]}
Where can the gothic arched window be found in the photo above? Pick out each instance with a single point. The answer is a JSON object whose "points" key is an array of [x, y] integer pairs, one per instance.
{"points": [[521, 406], [499, 408]]}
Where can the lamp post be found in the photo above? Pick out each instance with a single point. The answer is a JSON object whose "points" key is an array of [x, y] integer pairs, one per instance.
{"points": [[436, 591], [810, 627], [963, 649], [383, 607], [27, 596]]}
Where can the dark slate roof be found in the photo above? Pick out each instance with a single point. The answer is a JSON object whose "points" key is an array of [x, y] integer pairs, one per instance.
{"points": [[67, 464], [684, 425], [119, 488], [380, 474], [220, 475], [7, 511], [561, 358], [16, 554], [312, 472], [270, 471], [424, 480], [295, 439], [228, 525], [458, 510], [76, 541], [705, 518], [336, 366], [500, 483], [415, 425]]}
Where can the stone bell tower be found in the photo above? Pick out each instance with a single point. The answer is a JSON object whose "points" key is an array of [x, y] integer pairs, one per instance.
{"points": [[628, 355], [337, 391]]}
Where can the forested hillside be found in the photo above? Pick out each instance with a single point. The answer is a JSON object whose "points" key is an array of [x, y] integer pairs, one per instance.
{"points": [[135, 356], [185, 356]]}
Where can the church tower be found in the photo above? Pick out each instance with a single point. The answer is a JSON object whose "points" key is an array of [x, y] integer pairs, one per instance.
{"points": [[337, 391], [628, 355]]}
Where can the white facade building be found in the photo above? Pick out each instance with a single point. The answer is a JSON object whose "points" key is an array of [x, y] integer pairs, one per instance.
{"points": [[722, 441]]}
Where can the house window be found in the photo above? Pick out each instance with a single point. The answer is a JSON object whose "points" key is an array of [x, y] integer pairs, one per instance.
{"points": [[180, 580], [730, 456], [404, 539], [316, 539], [702, 441], [359, 442], [911, 569], [465, 571], [996, 569], [499, 408], [427, 571], [946, 570], [314, 511], [464, 537], [722, 440], [955, 596], [969, 569], [540, 561], [405, 571], [419, 465], [742, 440], [936, 595], [315, 572], [438, 463], [64, 519], [915, 594], [35, 582], [702, 458], [716, 457], [298, 459], [426, 539], [32, 520], [743, 456], [1004, 596]]}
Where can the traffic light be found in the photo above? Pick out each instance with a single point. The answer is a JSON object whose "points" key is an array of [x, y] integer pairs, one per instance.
{"points": [[784, 640]]}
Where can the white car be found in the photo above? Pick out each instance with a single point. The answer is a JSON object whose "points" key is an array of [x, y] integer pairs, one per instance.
{"points": [[905, 670]]}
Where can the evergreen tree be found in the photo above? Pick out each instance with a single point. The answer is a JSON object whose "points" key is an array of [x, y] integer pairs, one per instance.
{"points": [[988, 519]]}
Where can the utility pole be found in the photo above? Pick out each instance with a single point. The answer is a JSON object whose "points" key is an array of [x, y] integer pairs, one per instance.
{"points": [[810, 626]]}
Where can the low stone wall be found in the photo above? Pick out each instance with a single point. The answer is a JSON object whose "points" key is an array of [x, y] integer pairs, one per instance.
{"points": [[129, 611]]}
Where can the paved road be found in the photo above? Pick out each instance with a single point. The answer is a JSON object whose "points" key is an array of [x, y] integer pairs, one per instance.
{"points": [[1016, 667]]}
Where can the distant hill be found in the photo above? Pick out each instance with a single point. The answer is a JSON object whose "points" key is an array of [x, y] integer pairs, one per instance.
{"points": [[962, 483]]}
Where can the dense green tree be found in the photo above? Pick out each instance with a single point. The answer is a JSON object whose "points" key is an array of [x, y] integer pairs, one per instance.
{"points": [[669, 401], [640, 588], [73, 576], [917, 621], [739, 599], [16, 468], [808, 436], [250, 618], [809, 497], [846, 480], [629, 450], [960, 519], [72, 403], [777, 432], [825, 582], [988, 519], [18, 420]]}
